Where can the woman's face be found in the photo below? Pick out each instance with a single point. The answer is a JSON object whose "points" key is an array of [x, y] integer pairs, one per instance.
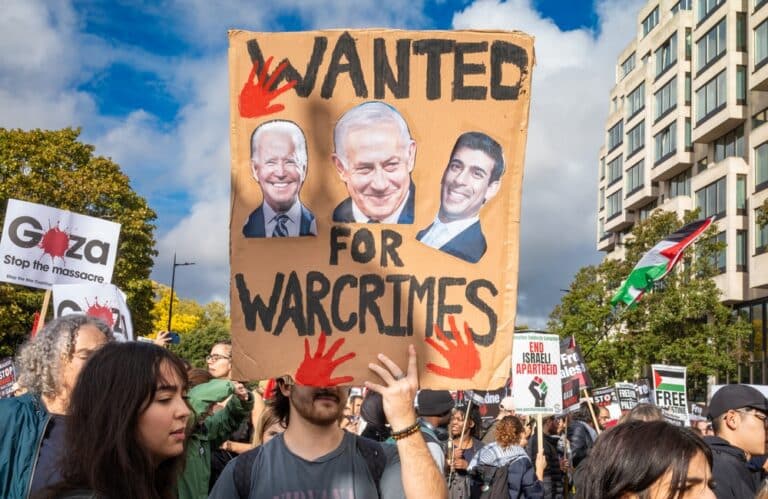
{"points": [[162, 426], [272, 431], [697, 485]]}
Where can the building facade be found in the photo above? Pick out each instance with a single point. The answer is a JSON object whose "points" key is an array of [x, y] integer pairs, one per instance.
{"points": [[688, 128]]}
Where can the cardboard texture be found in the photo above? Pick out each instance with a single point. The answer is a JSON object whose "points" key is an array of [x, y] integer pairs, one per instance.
{"points": [[362, 260]]}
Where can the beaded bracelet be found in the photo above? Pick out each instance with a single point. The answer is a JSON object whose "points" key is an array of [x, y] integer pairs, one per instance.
{"points": [[406, 432]]}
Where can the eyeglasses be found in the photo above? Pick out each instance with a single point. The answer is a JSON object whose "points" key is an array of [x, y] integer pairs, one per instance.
{"points": [[215, 357], [759, 415]]}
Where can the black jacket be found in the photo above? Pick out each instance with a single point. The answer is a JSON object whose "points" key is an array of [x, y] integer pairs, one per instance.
{"points": [[553, 475], [733, 479], [581, 442]]}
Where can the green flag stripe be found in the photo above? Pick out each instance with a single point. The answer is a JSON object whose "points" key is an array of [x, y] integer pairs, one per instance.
{"points": [[671, 388]]}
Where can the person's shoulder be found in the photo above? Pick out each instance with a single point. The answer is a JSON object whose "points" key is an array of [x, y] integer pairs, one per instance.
{"points": [[21, 406], [343, 212]]}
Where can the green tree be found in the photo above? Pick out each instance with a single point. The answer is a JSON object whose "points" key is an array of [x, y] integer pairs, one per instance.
{"points": [[212, 326], [186, 313], [680, 322], [762, 214], [52, 167]]}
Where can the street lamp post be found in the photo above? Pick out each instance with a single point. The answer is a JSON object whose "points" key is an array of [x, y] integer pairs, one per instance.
{"points": [[173, 279]]}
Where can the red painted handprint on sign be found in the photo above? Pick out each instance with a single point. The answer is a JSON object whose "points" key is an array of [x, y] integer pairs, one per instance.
{"points": [[256, 96], [316, 370], [463, 357]]}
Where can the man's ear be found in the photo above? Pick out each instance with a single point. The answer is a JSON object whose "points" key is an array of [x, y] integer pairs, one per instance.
{"points": [[411, 155], [732, 420], [340, 169], [493, 189], [253, 170], [284, 388]]}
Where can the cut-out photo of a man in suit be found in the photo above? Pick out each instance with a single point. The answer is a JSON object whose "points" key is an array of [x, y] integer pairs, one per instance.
{"points": [[279, 165], [374, 156], [471, 179]]}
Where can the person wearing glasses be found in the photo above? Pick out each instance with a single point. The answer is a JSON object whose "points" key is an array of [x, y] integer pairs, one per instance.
{"points": [[220, 360], [738, 415]]}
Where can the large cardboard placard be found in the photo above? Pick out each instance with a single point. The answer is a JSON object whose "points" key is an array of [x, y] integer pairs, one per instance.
{"points": [[42, 246], [536, 384], [103, 301], [353, 213], [7, 377], [670, 392]]}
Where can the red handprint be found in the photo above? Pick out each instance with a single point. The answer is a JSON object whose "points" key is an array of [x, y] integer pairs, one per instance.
{"points": [[317, 370], [463, 357], [255, 97]]}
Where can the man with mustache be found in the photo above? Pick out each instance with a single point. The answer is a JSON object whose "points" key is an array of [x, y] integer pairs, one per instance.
{"points": [[470, 180], [314, 457], [374, 156], [279, 165]]}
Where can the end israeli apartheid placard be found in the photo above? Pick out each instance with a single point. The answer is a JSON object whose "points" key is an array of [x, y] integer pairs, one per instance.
{"points": [[376, 187], [42, 246], [103, 301], [536, 384]]}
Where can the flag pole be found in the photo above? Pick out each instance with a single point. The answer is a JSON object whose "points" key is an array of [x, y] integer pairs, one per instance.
{"points": [[43, 310]]}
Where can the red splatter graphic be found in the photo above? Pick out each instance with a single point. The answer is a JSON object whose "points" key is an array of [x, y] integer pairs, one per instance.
{"points": [[483, 410], [256, 96], [55, 242], [102, 312], [316, 370], [463, 357]]}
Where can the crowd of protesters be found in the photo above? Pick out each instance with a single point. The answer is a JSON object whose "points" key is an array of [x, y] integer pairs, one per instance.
{"points": [[96, 418]]}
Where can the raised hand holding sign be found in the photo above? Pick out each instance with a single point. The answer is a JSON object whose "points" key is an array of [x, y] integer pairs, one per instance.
{"points": [[316, 370], [256, 96], [462, 356]]}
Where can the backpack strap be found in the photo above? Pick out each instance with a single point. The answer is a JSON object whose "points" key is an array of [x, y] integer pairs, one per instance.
{"points": [[242, 474], [374, 457]]}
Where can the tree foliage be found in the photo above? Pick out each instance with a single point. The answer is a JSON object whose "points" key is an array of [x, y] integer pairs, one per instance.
{"points": [[680, 322], [186, 313], [212, 326], [762, 214], [52, 167]]}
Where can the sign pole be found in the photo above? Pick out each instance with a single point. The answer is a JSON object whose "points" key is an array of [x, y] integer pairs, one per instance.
{"points": [[539, 435], [591, 410], [43, 310], [461, 438]]}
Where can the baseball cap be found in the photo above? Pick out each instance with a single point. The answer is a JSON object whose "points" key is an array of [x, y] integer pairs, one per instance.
{"points": [[735, 397], [434, 402], [507, 404]]}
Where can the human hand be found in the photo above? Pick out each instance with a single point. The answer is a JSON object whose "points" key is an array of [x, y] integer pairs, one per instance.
{"points": [[240, 390], [162, 339], [463, 357], [460, 463], [541, 465], [255, 97], [317, 370], [538, 387], [399, 389]]}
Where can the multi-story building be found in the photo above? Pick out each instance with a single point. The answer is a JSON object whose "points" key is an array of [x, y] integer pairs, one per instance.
{"points": [[687, 129]]}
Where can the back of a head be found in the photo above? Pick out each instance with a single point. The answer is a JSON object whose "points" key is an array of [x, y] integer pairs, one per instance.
{"points": [[644, 412], [508, 431], [584, 414], [631, 457]]}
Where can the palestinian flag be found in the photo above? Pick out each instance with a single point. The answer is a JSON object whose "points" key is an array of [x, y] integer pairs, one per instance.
{"points": [[657, 263], [669, 380]]}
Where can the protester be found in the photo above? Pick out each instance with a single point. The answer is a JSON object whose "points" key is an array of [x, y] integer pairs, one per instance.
{"points": [[643, 412], [581, 433], [462, 446], [268, 427], [198, 376], [506, 408], [373, 420], [434, 409], [127, 425], [553, 475], [315, 456], [738, 414], [652, 459], [32, 425], [220, 360]]}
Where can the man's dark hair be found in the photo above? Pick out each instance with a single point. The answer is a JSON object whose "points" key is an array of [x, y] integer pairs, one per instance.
{"points": [[103, 453], [281, 404], [625, 460], [478, 141], [584, 414]]}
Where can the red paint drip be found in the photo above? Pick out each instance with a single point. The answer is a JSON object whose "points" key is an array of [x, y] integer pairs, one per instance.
{"points": [[102, 312], [55, 242]]}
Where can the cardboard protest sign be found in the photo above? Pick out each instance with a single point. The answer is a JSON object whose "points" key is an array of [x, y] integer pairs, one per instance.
{"points": [[605, 396], [626, 395], [103, 301], [536, 386], [7, 377], [670, 391], [42, 246], [376, 182], [696, 411], [489, 401], [572, 363], [643, 390], [571, 394]]}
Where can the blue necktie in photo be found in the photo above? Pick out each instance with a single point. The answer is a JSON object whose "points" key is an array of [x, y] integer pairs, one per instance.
{"points": [[280, 229]]}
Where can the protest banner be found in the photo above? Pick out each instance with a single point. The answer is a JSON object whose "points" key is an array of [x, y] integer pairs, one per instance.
{"points": [[352, 231], [605, 396], [696, 411], [572, 365], [643, 390], [536, 385], [103, 301], [626, 396], [670, 391], [42, 246], [7, 377], [488, 403], [571, 394]]}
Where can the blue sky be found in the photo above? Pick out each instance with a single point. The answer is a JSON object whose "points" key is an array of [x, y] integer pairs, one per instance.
{"points": [[147, 83]]}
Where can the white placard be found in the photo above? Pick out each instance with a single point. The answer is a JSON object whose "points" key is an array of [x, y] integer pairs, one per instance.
{"points": [[103, 301], [536, 385], [42, 246]]}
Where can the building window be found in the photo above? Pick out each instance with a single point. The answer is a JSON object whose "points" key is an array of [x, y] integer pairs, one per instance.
{"points": [[718, 260], [688, 139], [741, 195], [761, 44], [710, 46], [602, 168], [666, 143], [759, 118], [710, 98], [615, 170], [761, 235], [759, 3], [761, 166], [666, 98], [601, 229], [687, 89], [741, 250], [602, 198], [702, 165], [651, 21], [741, 85], [682, 5], [741, 31], [666, 55], [636, 138], [615, 135], [635, 177], [729, 145], [706, 7], [645, 211], [614, 204], [628, 65], [680, 185], [711, 199], [636, 100]]}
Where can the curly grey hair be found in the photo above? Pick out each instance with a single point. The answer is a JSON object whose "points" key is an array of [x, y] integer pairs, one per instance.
{"points": [[39, 360]]}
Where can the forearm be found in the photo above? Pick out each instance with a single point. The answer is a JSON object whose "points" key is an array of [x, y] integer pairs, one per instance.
{"points": [[421, 477], [237, 447]]}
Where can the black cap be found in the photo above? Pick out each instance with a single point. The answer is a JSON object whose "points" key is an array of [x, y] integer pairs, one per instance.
{"points": [[434, 402], [736, 397]]}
